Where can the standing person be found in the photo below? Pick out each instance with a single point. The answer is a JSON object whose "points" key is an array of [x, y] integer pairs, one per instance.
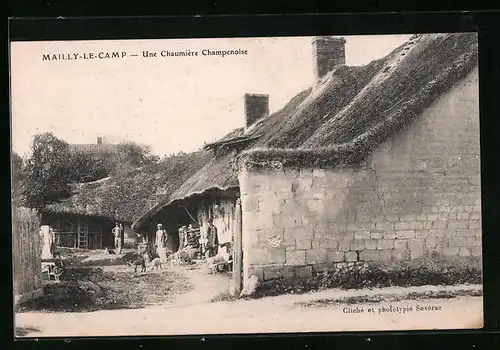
{"points": [[182, 237], [53, 244], [118, 241], [47, 242], [161, 242], [212, 239], [122, 234]]}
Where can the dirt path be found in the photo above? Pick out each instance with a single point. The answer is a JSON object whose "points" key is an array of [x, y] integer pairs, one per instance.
{"points": [[267, 315], [205, 286]]}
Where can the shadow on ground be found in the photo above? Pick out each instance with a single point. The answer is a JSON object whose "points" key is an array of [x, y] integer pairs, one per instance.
{"points": [[23, 331], [85, 289], [101, 262], [74, 259]]}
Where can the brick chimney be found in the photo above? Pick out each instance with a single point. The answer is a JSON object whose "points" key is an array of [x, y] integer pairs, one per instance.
{"points": [[328, 53], [256, 107], [99, 140]]}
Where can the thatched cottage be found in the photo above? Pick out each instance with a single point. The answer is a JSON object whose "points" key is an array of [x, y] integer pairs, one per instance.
{"points": [[376, 163], [85, 220], [212, 191]]}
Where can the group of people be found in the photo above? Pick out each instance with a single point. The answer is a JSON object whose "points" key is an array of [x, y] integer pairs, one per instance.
{"points": [[190, 240]]}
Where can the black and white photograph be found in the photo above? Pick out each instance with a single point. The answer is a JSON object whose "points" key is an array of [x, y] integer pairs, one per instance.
{"points": [[175, 187]]}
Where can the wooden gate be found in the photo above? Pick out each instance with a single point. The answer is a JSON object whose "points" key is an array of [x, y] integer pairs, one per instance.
{"points": [[26, 254]]}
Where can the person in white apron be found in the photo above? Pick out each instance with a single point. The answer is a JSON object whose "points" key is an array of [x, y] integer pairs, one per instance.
{"points": [[161, 243], [47, 237], [118, 240]]}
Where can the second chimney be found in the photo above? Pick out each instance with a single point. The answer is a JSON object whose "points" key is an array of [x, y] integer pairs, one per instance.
{"points": [[328, 53], [256, 107], [99, 140]]}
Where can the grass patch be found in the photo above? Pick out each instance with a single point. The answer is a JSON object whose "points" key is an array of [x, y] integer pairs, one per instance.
{"points": [[402, 274], [364, 299], [87, 289]]}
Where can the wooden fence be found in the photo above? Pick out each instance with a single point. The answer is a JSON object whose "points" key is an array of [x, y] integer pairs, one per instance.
{"points": [[26, 254]]}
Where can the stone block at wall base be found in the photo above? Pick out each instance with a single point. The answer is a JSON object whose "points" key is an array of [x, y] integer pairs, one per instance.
{"points": [[279, 271], [369, 255], [319, 268], [400, 254], [257, 271], [476, 251], [335, 256], [351, 256], [450, 251], [267, 255], [464, 251], [316, 256], [303, 271]]}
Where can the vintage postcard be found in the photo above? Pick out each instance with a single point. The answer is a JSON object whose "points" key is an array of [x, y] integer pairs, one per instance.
{"points": [[246, 185]]}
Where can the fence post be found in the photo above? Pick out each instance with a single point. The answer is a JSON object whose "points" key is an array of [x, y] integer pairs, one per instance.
{"points": [[238, 251]]}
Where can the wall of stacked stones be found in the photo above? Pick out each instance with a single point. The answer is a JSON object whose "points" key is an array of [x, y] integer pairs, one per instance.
{"points": [[417, 196]]}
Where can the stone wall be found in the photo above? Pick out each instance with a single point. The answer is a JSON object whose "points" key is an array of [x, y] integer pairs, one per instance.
{"points": [[418, 196]]}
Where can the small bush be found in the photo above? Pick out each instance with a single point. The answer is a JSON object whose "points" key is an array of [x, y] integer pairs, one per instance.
{"points": [[225, 296], [405, 274]]}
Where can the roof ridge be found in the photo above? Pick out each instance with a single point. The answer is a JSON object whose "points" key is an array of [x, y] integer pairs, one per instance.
{"points": [[382, 75]]}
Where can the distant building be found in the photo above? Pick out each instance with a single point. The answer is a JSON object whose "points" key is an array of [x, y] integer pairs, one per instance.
{"points": [[101, 146]]}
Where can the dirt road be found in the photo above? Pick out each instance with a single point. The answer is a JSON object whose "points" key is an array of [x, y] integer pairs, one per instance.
{"points": [[267, 315]]}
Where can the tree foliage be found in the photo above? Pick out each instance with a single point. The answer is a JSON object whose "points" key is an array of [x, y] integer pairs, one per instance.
{"points": [[48, 172], [53, 166], [129, 155], [17, 178], [126, 195], [87, 167]]}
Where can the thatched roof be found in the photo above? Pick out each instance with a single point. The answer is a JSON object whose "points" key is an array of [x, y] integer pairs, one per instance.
{"points": [[126, 195], [345, 116], [230, 143], [425, 68], [233, 135]]}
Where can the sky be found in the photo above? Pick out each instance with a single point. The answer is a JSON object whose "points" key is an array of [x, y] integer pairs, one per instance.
{"points": [[172, 104]]}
